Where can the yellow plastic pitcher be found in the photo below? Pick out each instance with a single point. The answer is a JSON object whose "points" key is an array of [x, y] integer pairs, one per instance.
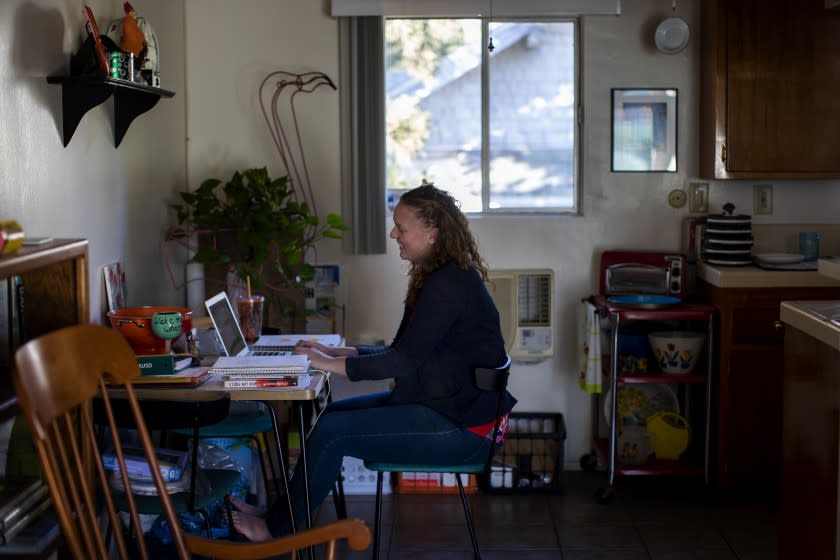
{"points": [[671, 434]]}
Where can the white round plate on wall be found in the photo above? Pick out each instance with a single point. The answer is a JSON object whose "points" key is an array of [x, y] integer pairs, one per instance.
{"points": [[672, 35]]}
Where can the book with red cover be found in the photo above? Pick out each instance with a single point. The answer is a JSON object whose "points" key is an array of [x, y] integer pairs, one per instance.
{"points": [[262, 383], [93, 31]]}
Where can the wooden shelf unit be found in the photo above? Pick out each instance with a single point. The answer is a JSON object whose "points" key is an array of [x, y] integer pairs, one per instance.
{"points": [[55, 295], [55, 282], [80, 94]]}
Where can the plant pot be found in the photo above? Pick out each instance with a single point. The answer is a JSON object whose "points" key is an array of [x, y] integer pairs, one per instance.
{"points": [[227, 243], [286, 310]]}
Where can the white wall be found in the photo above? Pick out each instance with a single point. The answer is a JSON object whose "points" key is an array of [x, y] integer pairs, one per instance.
{"points": [[215, 53], [230, 49], [113, 197]]}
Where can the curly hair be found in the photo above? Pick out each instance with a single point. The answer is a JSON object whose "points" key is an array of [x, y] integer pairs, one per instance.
{"points": [[454, 243]]}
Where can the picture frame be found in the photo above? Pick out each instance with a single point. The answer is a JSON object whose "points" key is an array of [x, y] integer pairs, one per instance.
{"points": [[644, 130], [114, 286], [98, 46]]}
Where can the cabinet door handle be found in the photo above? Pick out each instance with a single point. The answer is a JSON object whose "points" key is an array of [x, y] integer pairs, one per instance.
{"points": [[778, 325]]}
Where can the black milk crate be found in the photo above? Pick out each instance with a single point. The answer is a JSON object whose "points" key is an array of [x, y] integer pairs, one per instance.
{"points": [[532, 458]]}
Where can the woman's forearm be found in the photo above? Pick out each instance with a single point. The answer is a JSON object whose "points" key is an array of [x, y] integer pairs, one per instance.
{"points": [[333, 364]]}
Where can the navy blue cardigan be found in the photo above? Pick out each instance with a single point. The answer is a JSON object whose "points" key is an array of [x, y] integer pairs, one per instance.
{"points": [[453, 330]]}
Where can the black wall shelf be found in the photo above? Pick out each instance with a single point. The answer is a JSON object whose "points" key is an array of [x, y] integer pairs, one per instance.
{"points": [[80, 94]]}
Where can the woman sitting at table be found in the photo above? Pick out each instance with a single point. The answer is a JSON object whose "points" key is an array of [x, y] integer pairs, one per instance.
{"points": [[434, 414]]}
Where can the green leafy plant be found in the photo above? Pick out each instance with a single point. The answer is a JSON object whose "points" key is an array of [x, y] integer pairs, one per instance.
{"points": [[255, 226]]}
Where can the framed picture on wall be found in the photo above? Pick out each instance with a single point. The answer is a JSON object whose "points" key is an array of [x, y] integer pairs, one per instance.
{"points": [[114, 286], [644, 129]]}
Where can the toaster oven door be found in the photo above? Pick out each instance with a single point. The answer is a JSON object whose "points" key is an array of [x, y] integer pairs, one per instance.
{"points": [[637, 279]]}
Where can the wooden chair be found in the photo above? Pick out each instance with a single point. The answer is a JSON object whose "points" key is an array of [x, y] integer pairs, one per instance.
{"points": [[56, 377], [486, 379]]}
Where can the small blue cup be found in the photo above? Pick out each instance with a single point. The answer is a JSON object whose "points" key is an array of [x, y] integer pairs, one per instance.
{"points": [[809, 245]]}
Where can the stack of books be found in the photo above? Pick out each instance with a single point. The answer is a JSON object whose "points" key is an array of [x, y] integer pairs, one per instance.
{"points": [[21, 502], [263, 372], [170, 370], [163, 364], [263, 378], [172, 464]]}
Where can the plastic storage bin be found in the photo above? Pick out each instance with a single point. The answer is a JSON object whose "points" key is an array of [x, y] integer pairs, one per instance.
{"points": [[358, 480], [532, 458]]}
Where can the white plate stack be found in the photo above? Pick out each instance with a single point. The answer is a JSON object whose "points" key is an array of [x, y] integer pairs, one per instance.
{"points": [[728, 240]]}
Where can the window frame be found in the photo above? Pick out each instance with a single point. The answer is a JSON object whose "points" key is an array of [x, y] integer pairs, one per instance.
{"points": [[485, 22]]}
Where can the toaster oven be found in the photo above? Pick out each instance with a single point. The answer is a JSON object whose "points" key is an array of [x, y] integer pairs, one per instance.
{"points": [[643, 273]]}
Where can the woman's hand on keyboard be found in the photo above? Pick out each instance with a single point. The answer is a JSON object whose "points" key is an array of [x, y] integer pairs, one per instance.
{"points": [[320, 360], [334, 351]]}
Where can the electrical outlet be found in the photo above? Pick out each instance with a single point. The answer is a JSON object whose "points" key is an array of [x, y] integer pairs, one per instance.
{"points": [[698, 198], [762, 199]]}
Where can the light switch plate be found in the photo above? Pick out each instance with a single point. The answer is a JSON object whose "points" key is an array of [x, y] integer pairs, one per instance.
{"points": [[763, 199], [698, 198]]}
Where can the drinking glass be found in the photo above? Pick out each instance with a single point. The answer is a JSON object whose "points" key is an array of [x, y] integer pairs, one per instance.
{"points": [[250, 316]]}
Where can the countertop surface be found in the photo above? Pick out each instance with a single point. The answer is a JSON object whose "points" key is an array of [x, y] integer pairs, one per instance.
{"points": [[755, 277], [820, 319], [829, 266]]}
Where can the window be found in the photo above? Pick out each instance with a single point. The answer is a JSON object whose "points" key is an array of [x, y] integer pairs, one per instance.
{"points": [[497, 129]]}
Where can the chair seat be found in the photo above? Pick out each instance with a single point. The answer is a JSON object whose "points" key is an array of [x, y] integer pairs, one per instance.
{"points": [[220, 481], [406, 467], [236, 424]]}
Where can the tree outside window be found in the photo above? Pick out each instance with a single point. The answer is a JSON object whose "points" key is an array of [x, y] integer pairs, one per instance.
{"points": [[524, 157]]}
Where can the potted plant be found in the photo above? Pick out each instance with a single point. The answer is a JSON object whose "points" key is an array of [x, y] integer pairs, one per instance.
{"points": [[254, 226]]}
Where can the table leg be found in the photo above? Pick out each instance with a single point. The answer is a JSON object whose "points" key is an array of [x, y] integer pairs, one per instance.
{"points": [[303, 464], [283, 472]]}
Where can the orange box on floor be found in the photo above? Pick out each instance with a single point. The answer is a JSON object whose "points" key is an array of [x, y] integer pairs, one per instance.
{"points": [[434, 483]]}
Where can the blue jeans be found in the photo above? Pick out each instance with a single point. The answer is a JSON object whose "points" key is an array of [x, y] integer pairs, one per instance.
{"points": [[369, 428]]}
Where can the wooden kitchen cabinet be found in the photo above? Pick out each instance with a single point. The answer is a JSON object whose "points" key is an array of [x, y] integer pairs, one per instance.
{"points": [[808, 522], [769, 89], [748, 391]]}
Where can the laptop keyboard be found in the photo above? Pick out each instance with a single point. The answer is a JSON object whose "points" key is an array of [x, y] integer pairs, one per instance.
{"points": [[267, 350]]}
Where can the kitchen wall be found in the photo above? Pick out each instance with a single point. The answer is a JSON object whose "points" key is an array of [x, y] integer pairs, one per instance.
{"points": [[113, 197], [214, 55]]}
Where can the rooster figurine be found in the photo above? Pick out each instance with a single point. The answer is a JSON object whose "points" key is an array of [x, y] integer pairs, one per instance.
{"points": [[133, 40]]}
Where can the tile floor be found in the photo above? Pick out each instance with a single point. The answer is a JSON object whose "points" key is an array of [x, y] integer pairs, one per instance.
{"points": [[650, 519]]}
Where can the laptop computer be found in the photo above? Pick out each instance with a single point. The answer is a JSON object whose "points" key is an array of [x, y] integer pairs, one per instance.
{"points": [[233, 341]]}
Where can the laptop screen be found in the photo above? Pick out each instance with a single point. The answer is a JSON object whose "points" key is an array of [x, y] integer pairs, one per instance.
{"points": [[221, 312]]}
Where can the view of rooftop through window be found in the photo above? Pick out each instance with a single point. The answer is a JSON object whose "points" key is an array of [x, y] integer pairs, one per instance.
{"points": [[525, 159]]}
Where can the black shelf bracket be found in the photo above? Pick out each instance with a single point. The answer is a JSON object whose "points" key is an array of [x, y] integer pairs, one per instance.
{"points": [[80, 94]]}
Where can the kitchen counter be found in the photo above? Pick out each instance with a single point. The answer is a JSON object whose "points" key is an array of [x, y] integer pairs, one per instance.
{"points": [[755, 277], [829, 266], [819, 319]]}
